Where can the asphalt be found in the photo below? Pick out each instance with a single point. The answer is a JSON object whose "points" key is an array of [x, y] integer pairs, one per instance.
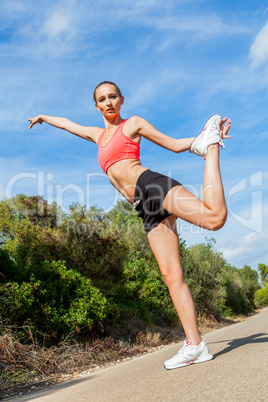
{"points": [[239, 372]]}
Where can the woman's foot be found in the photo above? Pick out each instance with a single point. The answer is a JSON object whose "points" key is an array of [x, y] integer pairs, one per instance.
{"points": [[211, 134], [189, 354]]}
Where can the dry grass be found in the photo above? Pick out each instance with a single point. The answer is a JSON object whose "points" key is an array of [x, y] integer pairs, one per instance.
{"points": [[25, 366], [28, 367]]}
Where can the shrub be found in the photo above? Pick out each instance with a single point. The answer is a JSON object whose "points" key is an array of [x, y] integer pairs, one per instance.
{"points": [[55, 301], [261, 296]]}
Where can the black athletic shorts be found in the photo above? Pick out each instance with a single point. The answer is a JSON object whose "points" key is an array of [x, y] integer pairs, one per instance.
{"points": [[150, 192]]}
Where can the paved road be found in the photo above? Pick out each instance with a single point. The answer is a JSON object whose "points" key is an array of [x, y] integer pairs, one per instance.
{"points": [[239, 372]]}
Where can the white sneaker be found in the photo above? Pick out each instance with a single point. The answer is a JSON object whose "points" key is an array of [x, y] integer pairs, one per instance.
{"points": [[189, 354], [210, 135]]}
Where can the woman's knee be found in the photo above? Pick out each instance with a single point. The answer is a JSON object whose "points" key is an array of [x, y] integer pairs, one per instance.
{"points": [[220, 220], [216, 221], [172, 275]]}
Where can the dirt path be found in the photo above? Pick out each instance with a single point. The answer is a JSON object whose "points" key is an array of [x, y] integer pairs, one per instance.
{"points": [[238, 373]]}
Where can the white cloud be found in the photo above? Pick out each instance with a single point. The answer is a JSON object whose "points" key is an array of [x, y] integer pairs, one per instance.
{"points": [[57, 24], [259, 48], [57, 36], [203, 26], [59, 30], [250, 249]]}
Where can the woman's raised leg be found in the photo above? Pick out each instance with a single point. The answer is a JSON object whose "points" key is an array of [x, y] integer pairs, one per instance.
{"points": [[210, 213]]}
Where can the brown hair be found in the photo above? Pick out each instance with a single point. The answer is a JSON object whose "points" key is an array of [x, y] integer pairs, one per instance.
{"points": [[106, 82]]}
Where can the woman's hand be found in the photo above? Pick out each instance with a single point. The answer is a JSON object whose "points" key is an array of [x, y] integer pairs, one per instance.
{"points": [[226, 128], [35, 120]]}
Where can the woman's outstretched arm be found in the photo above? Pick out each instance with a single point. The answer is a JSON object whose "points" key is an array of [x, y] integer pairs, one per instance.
{"points": [[146, 130], [88, 133]]}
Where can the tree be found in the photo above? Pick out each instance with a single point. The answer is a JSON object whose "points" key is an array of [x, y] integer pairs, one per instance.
{"points": [[261, 296], [264, 273], [202, 266], [250, 282]]}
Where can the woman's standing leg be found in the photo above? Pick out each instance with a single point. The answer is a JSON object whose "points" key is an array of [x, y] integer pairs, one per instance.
{"points": [[164, 243]]}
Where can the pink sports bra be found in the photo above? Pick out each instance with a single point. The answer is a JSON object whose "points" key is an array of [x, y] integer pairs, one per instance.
{"points": [[119, 147]]}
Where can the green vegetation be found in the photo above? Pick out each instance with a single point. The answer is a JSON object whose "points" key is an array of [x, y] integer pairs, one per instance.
{"points": [[87, 274], [261, 297]]}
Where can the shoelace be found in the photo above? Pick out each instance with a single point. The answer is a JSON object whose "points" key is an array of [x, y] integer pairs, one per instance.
{"points": [[187, 343], [221, 144]]}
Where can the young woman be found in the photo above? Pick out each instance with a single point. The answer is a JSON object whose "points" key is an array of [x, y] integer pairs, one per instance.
{"points": [[159, 200]]}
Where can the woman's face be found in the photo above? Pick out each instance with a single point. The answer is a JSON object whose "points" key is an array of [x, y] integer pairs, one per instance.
{"points": [[108, 101]]}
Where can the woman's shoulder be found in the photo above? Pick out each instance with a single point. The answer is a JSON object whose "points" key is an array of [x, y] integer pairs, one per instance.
{"points": [[133, 125], [134, 119], [135, 122]]}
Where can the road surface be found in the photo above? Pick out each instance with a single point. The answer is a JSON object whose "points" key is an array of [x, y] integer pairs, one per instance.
{"points": [[239, 372]]}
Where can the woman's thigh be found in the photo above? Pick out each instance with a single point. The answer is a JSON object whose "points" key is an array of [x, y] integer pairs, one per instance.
{"points": [[185, 205], [164, 242]]}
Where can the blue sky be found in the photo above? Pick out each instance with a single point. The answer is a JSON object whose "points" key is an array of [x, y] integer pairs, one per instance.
{"points": [[177, 62]]}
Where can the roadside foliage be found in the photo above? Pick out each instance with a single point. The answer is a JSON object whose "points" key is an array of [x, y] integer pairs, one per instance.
{"points": [[261, 297], [87, 274]]}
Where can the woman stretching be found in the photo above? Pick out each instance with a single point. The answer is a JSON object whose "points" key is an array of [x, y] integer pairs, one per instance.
{"points": [[159, 200]]}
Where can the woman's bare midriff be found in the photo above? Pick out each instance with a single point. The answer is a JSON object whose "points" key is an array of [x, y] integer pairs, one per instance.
{"points": [[124, 175]]}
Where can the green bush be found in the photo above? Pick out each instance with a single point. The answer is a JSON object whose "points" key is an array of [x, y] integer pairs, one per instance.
{"points": [[261, 296], [90, 273], [202, 269], [55, 301], [239, 287], [146, 290]]}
